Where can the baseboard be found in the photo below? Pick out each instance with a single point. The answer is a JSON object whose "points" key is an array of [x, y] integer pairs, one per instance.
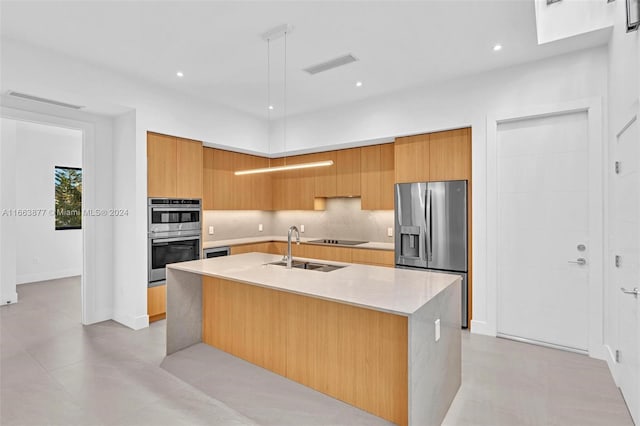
{"points": [[481, 327], [9, 300], [135, 323], [45, 276], [610, 358], [96, 317]]}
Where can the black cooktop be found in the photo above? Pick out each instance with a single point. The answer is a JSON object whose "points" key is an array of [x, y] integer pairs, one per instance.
{"points": [[338, 242]]}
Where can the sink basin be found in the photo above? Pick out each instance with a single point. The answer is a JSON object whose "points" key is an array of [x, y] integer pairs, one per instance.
{"points": [[311, 266]]}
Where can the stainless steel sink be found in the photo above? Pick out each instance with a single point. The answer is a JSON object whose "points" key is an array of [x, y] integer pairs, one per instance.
{"points": [[311, 266]]}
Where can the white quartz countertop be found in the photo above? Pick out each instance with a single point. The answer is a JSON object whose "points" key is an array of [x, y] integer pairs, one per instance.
{"points": [[265, 239], [398, 291]]}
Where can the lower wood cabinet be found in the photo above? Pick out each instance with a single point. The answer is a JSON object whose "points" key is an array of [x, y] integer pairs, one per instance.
{"points": [[338, 254], [157, 302], [255, 247], [357, 355]]}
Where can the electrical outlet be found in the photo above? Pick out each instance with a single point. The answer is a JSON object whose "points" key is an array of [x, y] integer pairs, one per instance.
{"points": [[211, 230], [437, 324], [301, 228], [260, 227], [389, 232]]}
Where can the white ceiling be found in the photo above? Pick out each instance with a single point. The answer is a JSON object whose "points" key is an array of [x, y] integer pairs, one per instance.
{"points": [[218, 46]]}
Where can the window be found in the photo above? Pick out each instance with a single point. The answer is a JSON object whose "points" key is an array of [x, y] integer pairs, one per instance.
{"points": [[68, 195]]}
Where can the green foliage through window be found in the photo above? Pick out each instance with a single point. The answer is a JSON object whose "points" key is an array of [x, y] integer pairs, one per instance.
{"points": [[68, 198]]}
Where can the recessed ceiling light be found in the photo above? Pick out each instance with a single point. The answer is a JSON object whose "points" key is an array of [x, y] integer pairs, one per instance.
{"points": [[270, 107], [180, 74], [497, 47], [358, 84]]}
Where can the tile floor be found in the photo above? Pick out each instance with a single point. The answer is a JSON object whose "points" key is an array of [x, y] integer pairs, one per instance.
{"points": [[54, 371]]}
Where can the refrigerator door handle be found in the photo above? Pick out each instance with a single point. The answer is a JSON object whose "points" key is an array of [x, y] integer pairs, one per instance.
{"points": [[429, 227]]}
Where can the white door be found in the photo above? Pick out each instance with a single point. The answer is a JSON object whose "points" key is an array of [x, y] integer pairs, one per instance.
{"points": [[543, 230], [625, 243]]}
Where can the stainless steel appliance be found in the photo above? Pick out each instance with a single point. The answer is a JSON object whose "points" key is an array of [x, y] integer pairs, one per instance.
{"points": [[208, 253], [174, 234], [431, 229]]}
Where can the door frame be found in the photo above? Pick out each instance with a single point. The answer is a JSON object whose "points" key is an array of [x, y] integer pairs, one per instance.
{"points": [[627, 119], [597, 160], [87, 289]]}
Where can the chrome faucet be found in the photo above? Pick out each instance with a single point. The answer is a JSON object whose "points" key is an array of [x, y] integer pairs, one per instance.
{"points": [[291, 229]]}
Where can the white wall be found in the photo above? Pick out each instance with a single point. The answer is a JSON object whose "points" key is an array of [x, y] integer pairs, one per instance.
{"points": [[453, 104], [157, 109], [7, 220], [624, 93], [569, 18], [42, 253]]}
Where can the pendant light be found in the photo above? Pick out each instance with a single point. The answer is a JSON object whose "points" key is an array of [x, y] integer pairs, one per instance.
{"points": [[273, 34]]}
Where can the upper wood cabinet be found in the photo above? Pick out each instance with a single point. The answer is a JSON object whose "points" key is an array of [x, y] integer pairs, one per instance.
{"points": [[348, 172], [294, 189], [377, 177], [434, 156], [325, 177], [223, 190], [412, 158], [174, 167], [450, 155], [189, 168]]}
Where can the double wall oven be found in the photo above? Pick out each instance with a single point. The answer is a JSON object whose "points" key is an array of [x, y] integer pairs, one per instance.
{"points": [[175, 234]]}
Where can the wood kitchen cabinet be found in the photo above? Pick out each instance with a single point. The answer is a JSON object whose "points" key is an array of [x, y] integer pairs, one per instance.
{"points": [[325, 177], [223, 190], [156, 302], [434, 157], [411, 158], [348, 172], [450, 155], [174, 167], [373, 257], [267, 247], [377, 177], [162, 171], [293, 189]]}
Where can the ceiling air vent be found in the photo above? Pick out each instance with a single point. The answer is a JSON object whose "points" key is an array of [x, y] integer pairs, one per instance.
{"points": [[331, 64], [44, 100]]}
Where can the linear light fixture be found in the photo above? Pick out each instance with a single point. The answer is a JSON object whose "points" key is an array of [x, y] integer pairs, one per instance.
{"points": [[285, 168]]}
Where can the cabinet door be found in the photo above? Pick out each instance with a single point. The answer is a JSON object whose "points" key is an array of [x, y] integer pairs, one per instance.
{"points": [[208, 178], [156, 302], [339, 254], [450, 155], [373, 257], [412, 158], [387, 181], [161, 165], [325, 177], [293, 189], [370, 177], [251, 192], [189, 168], [222, 181], [348, 172]]}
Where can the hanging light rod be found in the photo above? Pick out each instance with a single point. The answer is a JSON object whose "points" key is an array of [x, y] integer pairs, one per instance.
{"points": [[285, 168]]}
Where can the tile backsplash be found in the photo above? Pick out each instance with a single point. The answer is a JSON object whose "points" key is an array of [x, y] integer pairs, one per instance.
{"points": [[342, 219]]}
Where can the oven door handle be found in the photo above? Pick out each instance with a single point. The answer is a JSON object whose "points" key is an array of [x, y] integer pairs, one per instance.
{"points": [[174, 209], [172, 240]]}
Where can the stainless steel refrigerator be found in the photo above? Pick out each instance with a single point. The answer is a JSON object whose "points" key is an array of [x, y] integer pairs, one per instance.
{"points": [[431, 229]]}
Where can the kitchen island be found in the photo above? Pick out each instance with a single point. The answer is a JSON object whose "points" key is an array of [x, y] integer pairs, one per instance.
{"points": [[365, 335]]}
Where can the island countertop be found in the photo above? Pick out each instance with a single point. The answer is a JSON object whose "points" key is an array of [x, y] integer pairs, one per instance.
{"points": [[397, 291]]}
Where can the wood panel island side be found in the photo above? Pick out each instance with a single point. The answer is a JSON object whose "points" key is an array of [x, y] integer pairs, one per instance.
{"points": [[365, 335]]}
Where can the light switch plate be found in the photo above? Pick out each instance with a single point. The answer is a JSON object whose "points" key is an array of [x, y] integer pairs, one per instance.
{"points": [[389, 232], [301, 228], [260, 227], [211, 230], [437, 324]]}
